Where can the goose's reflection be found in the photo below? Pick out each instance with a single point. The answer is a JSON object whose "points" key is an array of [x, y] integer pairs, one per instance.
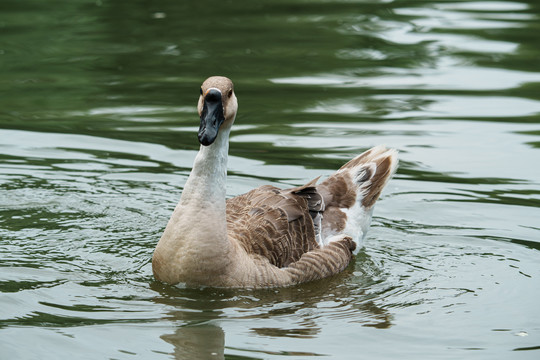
{"points": [[205, 341], [203, 313]]}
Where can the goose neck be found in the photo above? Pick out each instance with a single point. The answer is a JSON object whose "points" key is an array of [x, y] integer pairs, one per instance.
{"points": [[208, 179]]}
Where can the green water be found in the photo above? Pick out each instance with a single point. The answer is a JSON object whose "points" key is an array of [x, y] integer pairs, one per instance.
{"points": [[98, 134]]}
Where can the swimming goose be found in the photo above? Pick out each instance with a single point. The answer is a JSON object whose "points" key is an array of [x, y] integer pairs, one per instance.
{"points": [[268, 237]]}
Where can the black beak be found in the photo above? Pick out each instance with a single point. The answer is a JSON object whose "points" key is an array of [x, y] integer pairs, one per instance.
{"points": [[211, 117]]}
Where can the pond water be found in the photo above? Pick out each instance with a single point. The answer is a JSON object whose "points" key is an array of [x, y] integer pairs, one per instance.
{"points": [[97, 138]]}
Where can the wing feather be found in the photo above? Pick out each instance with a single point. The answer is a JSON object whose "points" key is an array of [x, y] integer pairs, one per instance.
{"points": [[274, 223]]}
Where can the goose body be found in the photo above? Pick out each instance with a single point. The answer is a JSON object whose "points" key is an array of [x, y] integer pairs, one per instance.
{"points": [[267, 237]]}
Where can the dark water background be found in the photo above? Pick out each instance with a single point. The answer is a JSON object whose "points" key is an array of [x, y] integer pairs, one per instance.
{"points": [[97, 137]]}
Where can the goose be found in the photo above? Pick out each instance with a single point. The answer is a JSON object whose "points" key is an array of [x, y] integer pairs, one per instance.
{"points": [[267, 237]]}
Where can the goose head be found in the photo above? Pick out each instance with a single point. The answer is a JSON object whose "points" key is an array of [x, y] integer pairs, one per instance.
{"points": [[217, 108]]}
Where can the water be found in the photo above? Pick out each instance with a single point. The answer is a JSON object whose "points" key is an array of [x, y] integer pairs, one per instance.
{"points": [[97, 129]]}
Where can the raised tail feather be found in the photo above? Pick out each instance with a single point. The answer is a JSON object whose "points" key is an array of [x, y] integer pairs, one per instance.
{"points": [[350, 194], [371, 170]]}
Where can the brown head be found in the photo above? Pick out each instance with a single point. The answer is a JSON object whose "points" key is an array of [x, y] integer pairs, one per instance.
{"points": [[217, 107]]}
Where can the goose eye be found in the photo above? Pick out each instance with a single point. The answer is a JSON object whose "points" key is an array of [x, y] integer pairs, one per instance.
{"points": [[201, 91], [230, 93]]}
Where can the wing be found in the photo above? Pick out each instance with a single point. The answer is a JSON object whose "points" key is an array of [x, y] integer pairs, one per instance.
{"points": [[276, 224]]}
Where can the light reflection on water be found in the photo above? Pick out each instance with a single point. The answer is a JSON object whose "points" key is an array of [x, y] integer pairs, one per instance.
{"points": [[97, 144], [453, 76]]}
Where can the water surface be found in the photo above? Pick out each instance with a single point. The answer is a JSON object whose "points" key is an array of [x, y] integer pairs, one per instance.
{"points": [[97, 138]]}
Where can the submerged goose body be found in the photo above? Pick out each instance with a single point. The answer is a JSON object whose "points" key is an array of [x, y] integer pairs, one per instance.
{"points": [[267, 237]]}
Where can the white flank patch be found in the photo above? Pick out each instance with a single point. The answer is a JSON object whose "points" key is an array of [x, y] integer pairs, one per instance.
{"points": [[358, 221], [357, 225]]}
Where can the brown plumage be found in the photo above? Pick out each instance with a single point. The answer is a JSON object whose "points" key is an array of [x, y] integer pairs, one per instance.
{"points": [[269, 236]]}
